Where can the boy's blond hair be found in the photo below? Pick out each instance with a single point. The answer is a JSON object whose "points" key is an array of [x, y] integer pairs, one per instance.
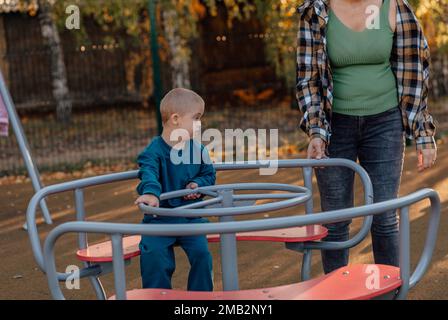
{"points": [[179, 100]]}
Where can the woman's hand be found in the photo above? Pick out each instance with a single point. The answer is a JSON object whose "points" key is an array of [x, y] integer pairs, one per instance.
{"points": [[426, 158], [316, 149]]}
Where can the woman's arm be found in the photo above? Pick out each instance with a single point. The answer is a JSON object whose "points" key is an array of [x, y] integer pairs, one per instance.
{"points": [[410, 61], [308, 86]]}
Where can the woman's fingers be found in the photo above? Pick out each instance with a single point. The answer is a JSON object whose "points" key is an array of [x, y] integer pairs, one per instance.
{"points": [[316, 149], [426, 158]]}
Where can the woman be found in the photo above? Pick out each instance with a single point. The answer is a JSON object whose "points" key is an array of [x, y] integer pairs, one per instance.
{"points": [[362, 79]]}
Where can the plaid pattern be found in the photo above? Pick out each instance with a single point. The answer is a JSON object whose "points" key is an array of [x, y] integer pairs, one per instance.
{"points": [[409, 61]]}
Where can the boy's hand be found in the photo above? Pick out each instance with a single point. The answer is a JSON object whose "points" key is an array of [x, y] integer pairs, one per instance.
{"points": [[148, 199], [192, 185]]}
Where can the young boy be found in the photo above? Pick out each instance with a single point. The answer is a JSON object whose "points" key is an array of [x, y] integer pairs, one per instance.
{"points": [[160, 172]]}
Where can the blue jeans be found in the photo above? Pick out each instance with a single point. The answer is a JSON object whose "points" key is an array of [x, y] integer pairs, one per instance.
{"points": [[157, 263], [378, 141]]}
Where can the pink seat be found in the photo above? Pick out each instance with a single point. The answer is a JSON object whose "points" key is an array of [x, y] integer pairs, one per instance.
{"points": [[102, 252], [348, 283], [298, 234]]}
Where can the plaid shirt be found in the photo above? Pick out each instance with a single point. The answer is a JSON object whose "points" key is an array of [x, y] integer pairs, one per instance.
{"points": [[409, 62]]}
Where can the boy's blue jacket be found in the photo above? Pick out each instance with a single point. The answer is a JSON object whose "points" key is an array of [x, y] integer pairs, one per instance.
{"points": [[163, 169]]}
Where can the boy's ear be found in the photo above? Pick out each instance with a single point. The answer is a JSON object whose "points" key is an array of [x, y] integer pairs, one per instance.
{"points": [[175, 119]]}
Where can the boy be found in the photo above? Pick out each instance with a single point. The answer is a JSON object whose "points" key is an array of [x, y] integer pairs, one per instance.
{"points": [[160, 172]]}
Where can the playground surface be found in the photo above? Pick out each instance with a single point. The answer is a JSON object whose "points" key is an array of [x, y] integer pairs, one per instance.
{"points": [[260, 264]]}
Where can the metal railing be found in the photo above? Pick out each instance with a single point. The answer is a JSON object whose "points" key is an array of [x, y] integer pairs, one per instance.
{"points": [[92, 271], [117, 230]]}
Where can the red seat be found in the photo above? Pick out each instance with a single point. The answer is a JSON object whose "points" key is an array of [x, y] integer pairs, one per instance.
{"points": [[348, 283], [102, 252], [298, 234]]}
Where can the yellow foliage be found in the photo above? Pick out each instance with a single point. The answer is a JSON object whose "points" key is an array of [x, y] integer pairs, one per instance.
{"points": [[434, 17], [250, 97]]}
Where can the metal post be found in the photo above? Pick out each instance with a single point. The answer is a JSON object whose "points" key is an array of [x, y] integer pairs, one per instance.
{"points": [[229, 260], [307, 253], [82, 243], [157, 78], [80, 216], [405, 261], [118, 263], [308, 183], [23, 146]]}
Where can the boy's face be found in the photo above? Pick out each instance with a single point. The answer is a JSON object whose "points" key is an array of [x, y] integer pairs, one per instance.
{"points": [[190, 122]]}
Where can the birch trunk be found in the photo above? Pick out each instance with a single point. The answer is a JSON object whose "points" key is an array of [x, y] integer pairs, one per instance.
{"points": [[179, 51], [439, 75], [50, 34]]}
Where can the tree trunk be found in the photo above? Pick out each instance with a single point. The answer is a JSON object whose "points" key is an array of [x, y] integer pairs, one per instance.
{"points": [[439, 75], [4, 66], [179, 51], [58, 72]]}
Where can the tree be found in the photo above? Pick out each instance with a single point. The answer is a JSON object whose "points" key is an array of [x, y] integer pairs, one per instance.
{"points": [[178, 20], [50, 35], [434, 17], [58, 71]]}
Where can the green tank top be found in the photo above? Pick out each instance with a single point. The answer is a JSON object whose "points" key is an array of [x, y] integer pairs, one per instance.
{"points": [[363, 81]]}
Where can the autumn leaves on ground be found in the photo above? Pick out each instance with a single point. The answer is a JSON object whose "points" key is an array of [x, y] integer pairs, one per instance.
{"points": [[260, 264]]}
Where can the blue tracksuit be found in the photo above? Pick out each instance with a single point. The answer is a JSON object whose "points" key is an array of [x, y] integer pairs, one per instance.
{"points": [[159, 173]]}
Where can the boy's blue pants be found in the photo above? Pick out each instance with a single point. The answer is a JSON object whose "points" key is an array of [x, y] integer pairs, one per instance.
{"points": [[157, 262]]}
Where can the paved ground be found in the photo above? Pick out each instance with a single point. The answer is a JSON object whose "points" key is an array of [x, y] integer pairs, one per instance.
{"points": [[260, 264]]}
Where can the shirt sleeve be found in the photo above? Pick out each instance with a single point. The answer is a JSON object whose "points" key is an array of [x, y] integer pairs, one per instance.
{"points": [[425, 128], [313, 122], [207, 173], [148, 173], [410, 61]]}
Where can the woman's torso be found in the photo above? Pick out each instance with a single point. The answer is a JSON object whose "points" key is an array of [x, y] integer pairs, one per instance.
{"points": [[363, 80]]}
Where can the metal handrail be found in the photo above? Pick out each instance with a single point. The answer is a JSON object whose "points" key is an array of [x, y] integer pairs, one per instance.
{"points": [[78, 185], [296, 195], [117, 230]]}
